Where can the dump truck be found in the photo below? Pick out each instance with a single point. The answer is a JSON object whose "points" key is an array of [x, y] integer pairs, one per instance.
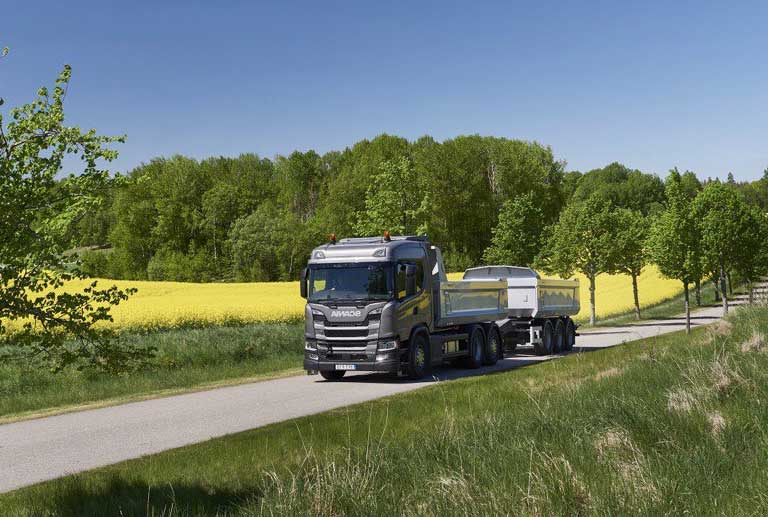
{"points": [[385, 304]]}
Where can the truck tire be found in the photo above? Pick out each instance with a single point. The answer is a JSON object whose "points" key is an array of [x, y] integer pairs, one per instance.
{"points": [[332, 375], [494, 347], [547, 337], [559, 343], [418, 356], [476, 345], [570, 335]]}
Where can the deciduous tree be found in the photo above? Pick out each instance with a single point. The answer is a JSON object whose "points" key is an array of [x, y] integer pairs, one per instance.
{"points": [[394, 202], [581, 241], [516, 237], [36, 212], [674, 240], [725, 225], [628, 252]]}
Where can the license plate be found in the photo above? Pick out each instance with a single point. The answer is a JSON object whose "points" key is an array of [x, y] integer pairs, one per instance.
{"points": [[346, 367]]}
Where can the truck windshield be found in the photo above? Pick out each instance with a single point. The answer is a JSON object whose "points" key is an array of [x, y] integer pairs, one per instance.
{"points": [[350, 282]]}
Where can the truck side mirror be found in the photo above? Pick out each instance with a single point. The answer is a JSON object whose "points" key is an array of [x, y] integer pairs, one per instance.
{"points": [[303, 282], [410, 279]]}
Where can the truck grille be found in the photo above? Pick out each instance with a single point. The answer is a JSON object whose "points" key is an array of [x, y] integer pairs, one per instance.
{"points": [[331, 332], [341, 345], [347, 333], [346, 324]]}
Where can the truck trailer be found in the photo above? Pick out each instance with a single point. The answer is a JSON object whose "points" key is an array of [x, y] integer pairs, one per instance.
{"points": [[385, 304]]}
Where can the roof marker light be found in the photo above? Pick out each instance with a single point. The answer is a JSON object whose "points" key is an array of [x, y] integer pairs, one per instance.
{"points": [[387, 238], [332, 237]]}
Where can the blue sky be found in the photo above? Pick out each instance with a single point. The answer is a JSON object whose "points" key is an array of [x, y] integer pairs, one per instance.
{"points": [[652, 84]]}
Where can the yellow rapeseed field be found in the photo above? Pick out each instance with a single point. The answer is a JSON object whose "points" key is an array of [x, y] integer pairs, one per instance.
{"points": [[173, 304]]}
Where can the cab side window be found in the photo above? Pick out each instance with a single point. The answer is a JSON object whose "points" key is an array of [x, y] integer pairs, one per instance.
{"points": [[400, 279]]}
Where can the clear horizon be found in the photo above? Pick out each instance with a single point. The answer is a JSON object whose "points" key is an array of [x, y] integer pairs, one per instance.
{"points": [[652, 86]]}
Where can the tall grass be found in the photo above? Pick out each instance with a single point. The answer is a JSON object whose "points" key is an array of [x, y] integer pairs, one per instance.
{"points": [[670, 425]]}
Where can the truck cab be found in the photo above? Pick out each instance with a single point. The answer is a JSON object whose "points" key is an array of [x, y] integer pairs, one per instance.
{"points": [[363, 297]]}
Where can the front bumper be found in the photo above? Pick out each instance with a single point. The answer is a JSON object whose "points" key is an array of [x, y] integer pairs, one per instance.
{"points": [[389, 365]]}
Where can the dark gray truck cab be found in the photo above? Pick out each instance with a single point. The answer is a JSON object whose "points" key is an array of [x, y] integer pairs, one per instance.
{"points": [[384, 304]]}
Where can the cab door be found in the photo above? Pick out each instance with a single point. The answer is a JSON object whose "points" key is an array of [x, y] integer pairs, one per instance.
{"points": [[414, 309]]}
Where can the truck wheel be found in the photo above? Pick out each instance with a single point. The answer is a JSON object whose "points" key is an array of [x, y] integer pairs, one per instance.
{"points": [[332, 375], [476, 347], [547, 336], [570, 335], [494, 348], [559, 342], [418, 356]]}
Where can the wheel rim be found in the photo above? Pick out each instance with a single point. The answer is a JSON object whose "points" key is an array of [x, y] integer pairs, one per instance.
{"points": [[420, 357], [493, 345]]}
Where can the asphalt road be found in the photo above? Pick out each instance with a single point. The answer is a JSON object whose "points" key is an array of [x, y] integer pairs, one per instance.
{"points": [[46, 448]]}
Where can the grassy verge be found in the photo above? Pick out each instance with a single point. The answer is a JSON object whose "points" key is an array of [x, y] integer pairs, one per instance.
{"points": [[668, 425], [186, 359]]}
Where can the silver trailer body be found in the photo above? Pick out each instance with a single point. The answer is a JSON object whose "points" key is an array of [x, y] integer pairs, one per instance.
{"points": [[529, 295], [469, 301]]}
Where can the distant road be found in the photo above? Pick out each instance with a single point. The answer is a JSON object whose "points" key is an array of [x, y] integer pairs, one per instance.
{"points": [[46, 448]]}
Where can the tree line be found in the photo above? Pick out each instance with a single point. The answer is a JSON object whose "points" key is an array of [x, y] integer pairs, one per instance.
{"points": [[255, 219], [482, 199]]}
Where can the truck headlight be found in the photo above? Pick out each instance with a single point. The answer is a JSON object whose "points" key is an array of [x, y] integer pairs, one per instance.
{"points": [[310, 346], [313, 357], [316, 312], [388, 345]]}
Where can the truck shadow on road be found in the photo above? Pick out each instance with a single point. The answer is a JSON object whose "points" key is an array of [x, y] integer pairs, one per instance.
{"points": [[450, 373]]}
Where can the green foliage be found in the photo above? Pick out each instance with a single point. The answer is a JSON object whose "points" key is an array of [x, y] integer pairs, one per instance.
{"points": [[726, 226], [628, 253], [268, 245], [517, 237], [674, 242], [581, 241], [95, 263], [453, 191], [625, 188], [394, 201], [751, 261], [36, 212]]}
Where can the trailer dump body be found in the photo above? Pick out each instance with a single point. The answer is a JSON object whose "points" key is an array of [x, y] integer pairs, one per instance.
{"points": [[529, 295], [467, 301]]}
